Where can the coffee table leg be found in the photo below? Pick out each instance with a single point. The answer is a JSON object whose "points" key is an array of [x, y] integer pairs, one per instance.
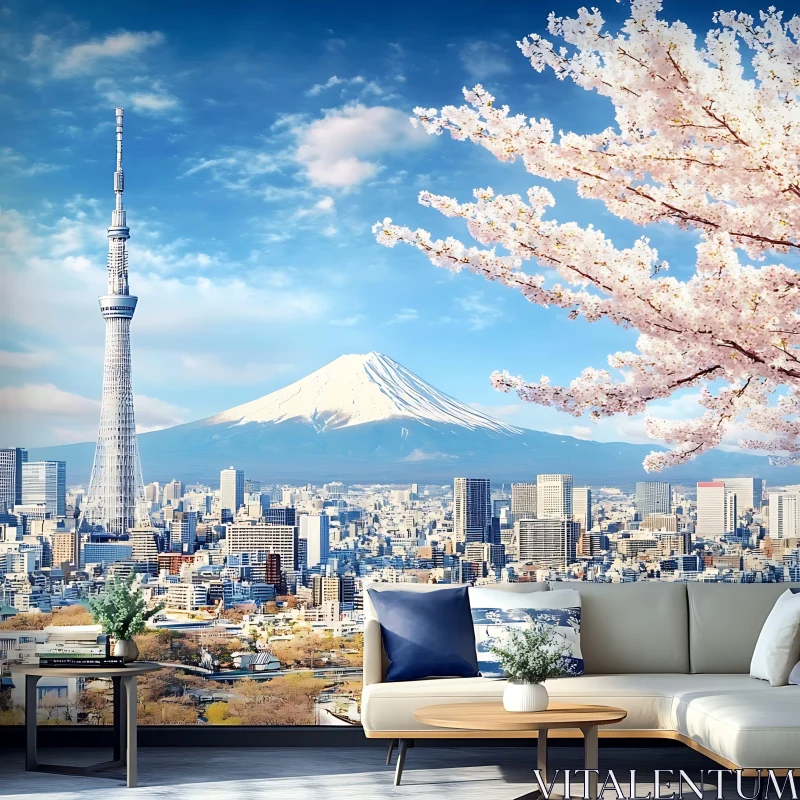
{"points": [[590, 758], [541, 754], [30, 721], [129, 703]]}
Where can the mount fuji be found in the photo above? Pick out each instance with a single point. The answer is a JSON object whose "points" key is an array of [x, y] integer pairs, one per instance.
{"points": [[367, 419]]}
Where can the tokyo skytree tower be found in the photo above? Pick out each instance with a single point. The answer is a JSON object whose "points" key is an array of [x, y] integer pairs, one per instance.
{"points": [[116, 490]]}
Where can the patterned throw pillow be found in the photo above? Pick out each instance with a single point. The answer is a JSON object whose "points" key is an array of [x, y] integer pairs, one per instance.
{"points": [[496, 613]]}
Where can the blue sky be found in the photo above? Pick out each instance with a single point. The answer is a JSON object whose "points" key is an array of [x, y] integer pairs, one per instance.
{"points": [[262, 141]]}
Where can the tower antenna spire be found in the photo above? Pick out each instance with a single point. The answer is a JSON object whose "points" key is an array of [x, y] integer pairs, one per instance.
{"points": [[116, 489]]}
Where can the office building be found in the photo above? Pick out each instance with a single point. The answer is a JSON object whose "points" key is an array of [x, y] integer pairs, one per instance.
{"points": [[116, 488], [523, 501], [660, 522], [547, 543], [315, 531], [749, 492], [554, 496], [66, 548], [45, 483], [784, 515], [106, 552], [280, 516], [472, 510], [324, 588], [653, 497], [259, 537], [183, 532], [173, 492], [716, 510], [144, 544], [11, 461], [582, 507], [231, 489]]}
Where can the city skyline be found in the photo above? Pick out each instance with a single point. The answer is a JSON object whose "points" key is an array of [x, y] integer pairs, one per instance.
{"points": [[282, 201]]}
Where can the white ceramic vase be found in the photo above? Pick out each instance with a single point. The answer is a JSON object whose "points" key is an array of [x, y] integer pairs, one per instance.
{"points": [[127, 649], [523, 696]]}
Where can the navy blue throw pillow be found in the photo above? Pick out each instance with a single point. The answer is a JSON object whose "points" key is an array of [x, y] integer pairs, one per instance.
{"points": [[426, 634]]}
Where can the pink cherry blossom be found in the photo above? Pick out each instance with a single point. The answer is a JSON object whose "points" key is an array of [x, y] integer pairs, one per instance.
{"points": [[696, 144]]}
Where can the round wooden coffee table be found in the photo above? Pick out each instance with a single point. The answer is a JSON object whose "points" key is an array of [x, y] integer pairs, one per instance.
{"points": [[494, 720]]}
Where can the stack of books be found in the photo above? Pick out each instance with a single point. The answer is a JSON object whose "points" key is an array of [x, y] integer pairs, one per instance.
{"points": [[77, 647]]}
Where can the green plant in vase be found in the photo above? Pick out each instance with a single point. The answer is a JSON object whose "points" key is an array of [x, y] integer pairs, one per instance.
{"points": [[122, 612], [530, 657]]}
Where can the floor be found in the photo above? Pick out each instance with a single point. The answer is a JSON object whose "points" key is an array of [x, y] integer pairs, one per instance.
{"points": [[466, 773]]}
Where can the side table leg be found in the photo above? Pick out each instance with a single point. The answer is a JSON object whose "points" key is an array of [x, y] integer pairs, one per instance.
{"points": [[129, 704], [30, 722], [541, 754], [590, 758]]}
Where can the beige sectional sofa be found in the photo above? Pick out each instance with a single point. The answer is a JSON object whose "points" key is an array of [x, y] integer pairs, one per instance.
{"points": [[675, 656]]}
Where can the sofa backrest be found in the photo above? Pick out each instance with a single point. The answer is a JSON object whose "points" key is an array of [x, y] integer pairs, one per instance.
{"points": [[633, 627], [724, 622], [369, 609]]}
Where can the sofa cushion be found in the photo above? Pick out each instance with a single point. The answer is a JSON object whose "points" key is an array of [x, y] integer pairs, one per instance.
{"points": [[648, 698], [753, 729], [496, 614], [778, 645], [426, 634], [618, 619], [725, 620]]}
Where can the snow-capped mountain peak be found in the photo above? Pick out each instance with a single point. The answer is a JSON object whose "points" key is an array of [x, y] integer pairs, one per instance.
{"points": [[357, 389]]}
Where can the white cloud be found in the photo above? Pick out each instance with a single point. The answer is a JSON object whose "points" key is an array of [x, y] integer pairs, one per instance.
{"points": [[347, 322], [144, 95], [334, 80], [478, 314], [44, 414], [405, 315], [25, 359], [484, 59], [82, 58], [153, 102], [342, 149], [17, 164]]}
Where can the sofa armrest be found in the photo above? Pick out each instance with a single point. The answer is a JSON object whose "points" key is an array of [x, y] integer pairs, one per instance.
{"points": [[373, 652]]}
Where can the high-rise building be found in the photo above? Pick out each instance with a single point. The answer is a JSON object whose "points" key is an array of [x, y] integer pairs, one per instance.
{"points": [[472, 510], [45, 482], [582, 507], [11, 461], [231, 489], [716, 509], [554, 496], [183, 531], [749, 491], [315, 530], [66, 548], [784, 515], [523, 501], [173, 491], [144, 545], [324, 588], [259, 537], [548, 543], [653, 497], [280, 516], [152, 492], [116, 488]]}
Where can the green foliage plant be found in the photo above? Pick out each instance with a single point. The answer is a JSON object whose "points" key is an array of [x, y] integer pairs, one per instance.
{"points": [[532, 654], [122, 611]]}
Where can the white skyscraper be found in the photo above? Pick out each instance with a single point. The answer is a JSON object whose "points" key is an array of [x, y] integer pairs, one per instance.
{"points": [[582, 506], [554, 496], [523, 500], [653, 497], [716, 509], [315, 529], [784, 515], [547, 542], [472, 510], [749, 491], [45, 483], [116, 488], [231, 489]]}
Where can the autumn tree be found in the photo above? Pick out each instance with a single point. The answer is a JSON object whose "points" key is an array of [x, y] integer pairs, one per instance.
{"points": [[701, 141]]}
